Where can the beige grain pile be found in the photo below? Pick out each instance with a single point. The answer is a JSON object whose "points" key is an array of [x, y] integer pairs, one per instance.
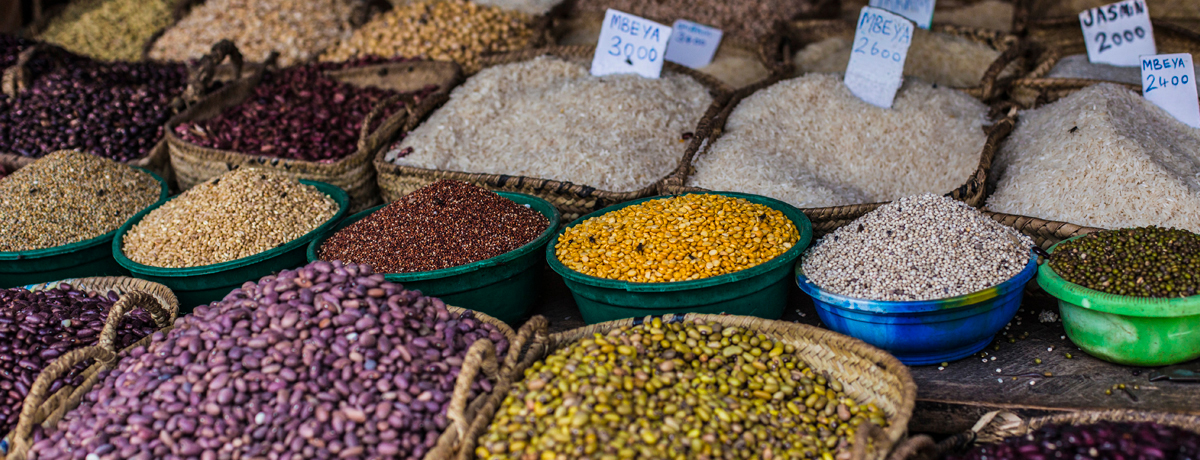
{"points": [[810, 142], [550, 118], [986, 14], [524, 6], [1102, 157], [240, 214], [298, 29], [1078, 66], [934, 57]]}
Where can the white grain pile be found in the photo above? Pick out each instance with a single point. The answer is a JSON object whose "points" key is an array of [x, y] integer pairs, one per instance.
{"points": [[1102, 157], [934, 57], [1078, 66], [988, 14], [524, 6], [810, 142], [549, 118], [921, 247]]}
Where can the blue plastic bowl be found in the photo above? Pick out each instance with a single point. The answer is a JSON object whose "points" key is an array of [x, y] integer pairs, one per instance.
{"points": [[926, 331]]}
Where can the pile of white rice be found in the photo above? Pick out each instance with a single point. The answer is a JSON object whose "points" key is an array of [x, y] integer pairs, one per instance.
{"points": [[549, 118], [934, 57], [1102, 157], [986, 14], [810, 142], [1078, 66]]}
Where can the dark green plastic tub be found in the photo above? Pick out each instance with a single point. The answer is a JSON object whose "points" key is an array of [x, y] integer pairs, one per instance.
{"points": [[83, 259], [503, 287], [760, 291], [206, 283]]}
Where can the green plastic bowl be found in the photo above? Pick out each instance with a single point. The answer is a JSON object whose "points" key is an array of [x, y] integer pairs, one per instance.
{"points": [[760, 291], [503, 287], [206, 283], [1135, 331], [83, 259]]}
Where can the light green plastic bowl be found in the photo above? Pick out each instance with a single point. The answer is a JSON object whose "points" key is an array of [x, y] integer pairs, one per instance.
{"points": [[1135, 331], [760, 291], [206, 283], [503, 287], [83, 259]]}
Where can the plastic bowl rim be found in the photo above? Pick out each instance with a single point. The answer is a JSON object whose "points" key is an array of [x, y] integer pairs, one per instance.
{"points": [[798, 218], [551, 229], [90, 242], [336, 193], [1091, 299]]}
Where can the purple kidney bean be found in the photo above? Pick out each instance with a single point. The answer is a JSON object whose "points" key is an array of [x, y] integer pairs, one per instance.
{"points": [[1103, 440]]}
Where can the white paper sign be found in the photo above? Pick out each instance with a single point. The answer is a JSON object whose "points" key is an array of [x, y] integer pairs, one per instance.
{"points": [[876, 66], [918, 11], [1118, 34], [630, 44], [1169, 81], [693, 44]]}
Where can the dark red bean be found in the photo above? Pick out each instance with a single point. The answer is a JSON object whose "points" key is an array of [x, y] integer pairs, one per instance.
{"points": [[1103, 440]]}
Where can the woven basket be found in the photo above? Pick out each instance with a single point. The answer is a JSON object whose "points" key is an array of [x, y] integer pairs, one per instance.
{"points": [[19, 78], [45, 408], [827, 219], [1013, 55], [194, 164], [1045, 233], [865, 371], [572, 200], [480, 357]]}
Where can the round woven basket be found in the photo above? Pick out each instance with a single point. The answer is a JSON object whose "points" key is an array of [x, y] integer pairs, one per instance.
{"points": [[866, 372]]}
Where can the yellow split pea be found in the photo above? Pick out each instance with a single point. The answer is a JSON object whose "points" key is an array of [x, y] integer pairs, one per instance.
{"points": [[677, 239]]}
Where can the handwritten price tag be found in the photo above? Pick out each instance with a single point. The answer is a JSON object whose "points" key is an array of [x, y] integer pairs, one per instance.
{"points": [[918, 11], [1118, 34], [630, 44], [876, 66], [1169, 81], [692, 44]]}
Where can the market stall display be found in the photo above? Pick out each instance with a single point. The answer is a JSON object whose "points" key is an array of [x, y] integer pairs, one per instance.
{"points": [[109, 30], [61, 213], [926, 278], [468, 246], [1102, 157], [372, 373], [446, 30]]}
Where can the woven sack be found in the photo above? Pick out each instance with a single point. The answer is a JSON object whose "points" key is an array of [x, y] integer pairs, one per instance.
{"points": [[865, 372], [480, 357], [572, 200], [43, 407], [194, 164], [827, 219], [19, 78], [1013, 57]]}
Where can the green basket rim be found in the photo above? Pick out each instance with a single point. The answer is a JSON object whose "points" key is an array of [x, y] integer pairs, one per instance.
{"points": [[91, 242], [1091, 299], [798, 218], [537, 204], [337, 194]]}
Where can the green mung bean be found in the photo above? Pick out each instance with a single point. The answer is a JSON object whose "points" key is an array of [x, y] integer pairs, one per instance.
{"points": [[1140, 262]]}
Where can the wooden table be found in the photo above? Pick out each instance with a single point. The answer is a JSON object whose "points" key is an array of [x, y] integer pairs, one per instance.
{"points": [[950, 400]]}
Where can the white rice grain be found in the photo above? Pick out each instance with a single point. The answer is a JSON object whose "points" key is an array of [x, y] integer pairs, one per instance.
{"points": [[934, 57]]}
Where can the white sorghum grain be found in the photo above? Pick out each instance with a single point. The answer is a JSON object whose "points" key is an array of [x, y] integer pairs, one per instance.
{"points": [[934, 57], [810, 142], [549, 118], [1102, 157], [922, 247], [239, 214], [68, 197]]}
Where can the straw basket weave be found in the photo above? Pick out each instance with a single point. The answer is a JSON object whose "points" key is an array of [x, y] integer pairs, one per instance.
{"points": [[45, 408], [865, 372], [572, 200], [1012, 60], [1045, 233], [194, 164]]}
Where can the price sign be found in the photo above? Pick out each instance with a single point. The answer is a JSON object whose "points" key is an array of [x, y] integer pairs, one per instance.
{"points": [[918, 11], [630, 44], [1169, 81], [1118, 34], [876, 65], [692, 44]]}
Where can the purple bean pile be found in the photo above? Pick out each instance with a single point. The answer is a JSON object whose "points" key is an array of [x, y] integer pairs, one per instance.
{"points": [[1103, 440], [324, 361], [10, 47], [297, 113], [113, 110], [38, 326]]}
